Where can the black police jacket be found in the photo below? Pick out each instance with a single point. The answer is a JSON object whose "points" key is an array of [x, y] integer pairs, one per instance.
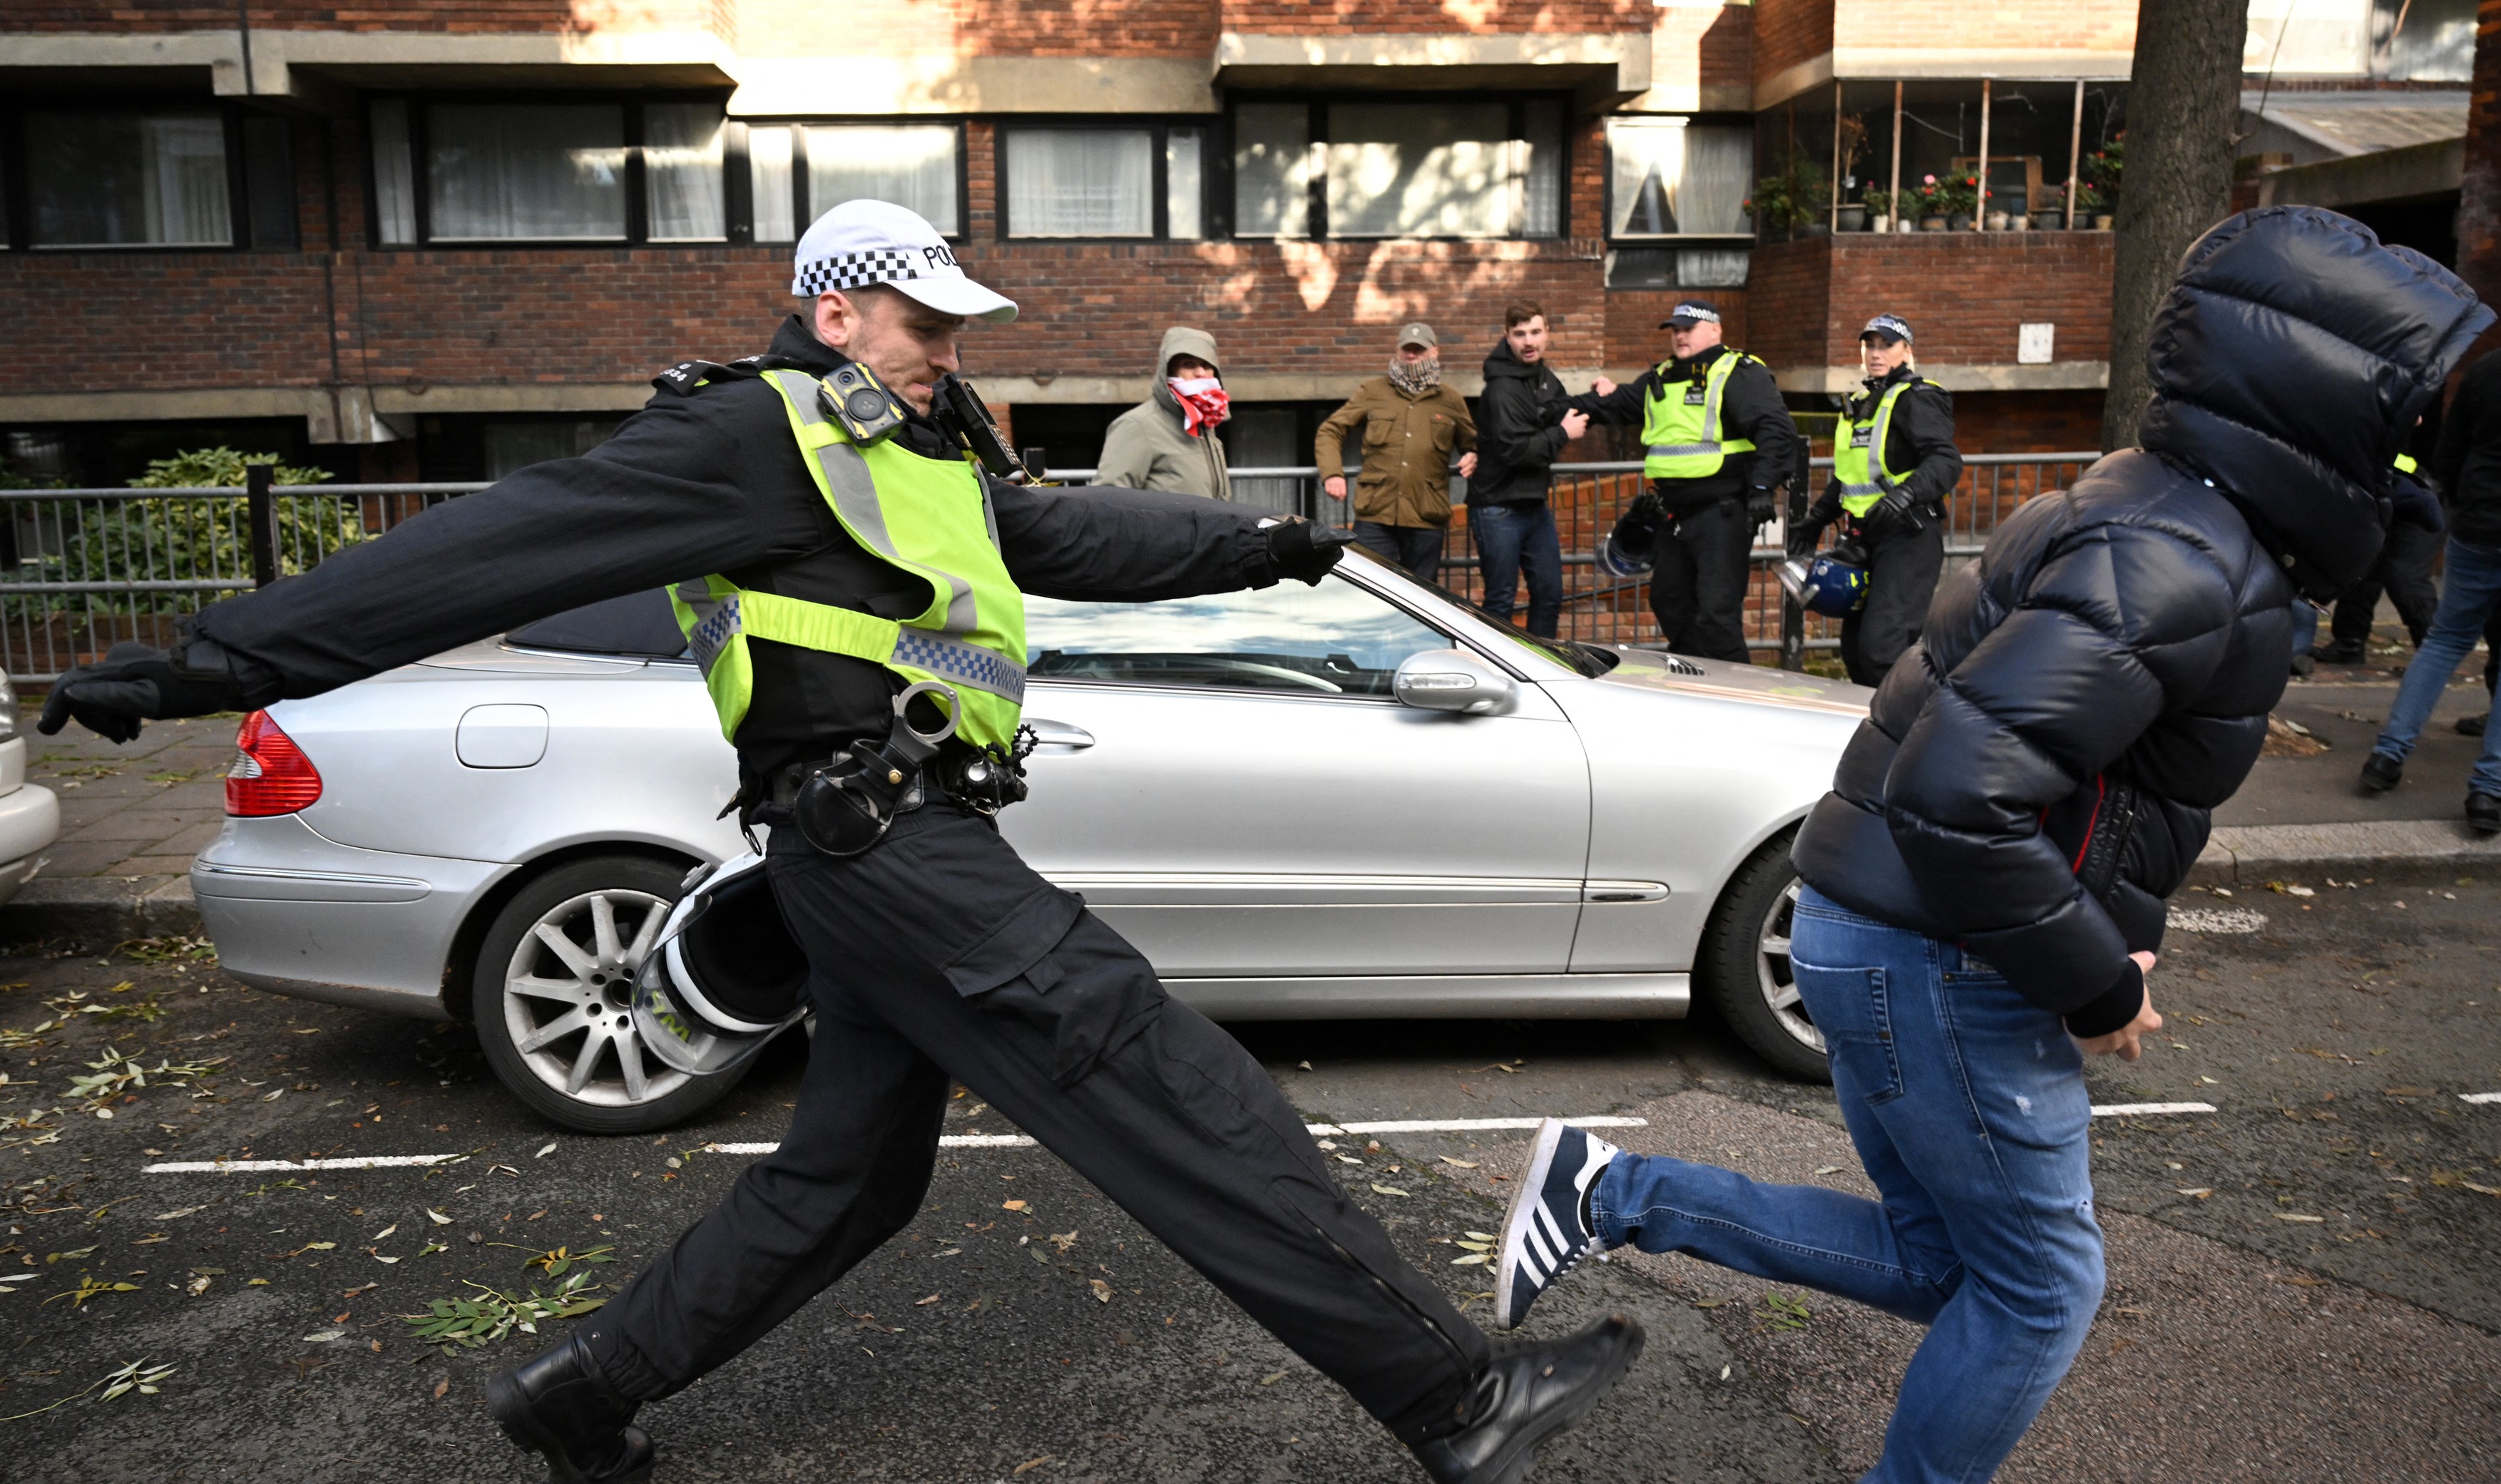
{"points": [[703, 481], [2466, 465], [1751, 409], [2035, 777], [1920, 439]]}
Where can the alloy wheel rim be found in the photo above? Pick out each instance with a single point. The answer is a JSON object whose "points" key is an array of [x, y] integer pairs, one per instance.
{"points": [[1777, 976], [568, 999]]}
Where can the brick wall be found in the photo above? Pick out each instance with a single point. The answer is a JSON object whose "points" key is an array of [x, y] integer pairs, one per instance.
{"points": [[1319, 17], [1964, 292], [1788, 32], [2000, 25], [1702, 47]]}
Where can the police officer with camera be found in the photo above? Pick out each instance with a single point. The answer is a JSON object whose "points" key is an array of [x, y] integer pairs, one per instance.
{"points": [[1717, 443], [848, 545], [1894, 468]]}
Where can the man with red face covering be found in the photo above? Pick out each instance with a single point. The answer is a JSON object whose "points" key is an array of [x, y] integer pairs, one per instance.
{"points": [[1168, 442]]}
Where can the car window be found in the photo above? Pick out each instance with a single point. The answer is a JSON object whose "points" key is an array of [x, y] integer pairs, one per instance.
{"points": [[1335, 639]]}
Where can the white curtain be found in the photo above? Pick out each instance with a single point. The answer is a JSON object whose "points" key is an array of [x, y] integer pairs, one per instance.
{"points": [[911, 165], [681, 172], [129, 180], [768, 176], [1711, 267], [1272, 169], [1541, 171], [535, 171], [1420, 170], [1080, 182], [1671, 177], [1183, 186], [394, 177]]}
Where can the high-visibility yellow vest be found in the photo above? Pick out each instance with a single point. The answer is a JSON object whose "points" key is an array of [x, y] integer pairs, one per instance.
{"points": [[1681, 423], [2406, 462], [930, 517], [1858, 458]]}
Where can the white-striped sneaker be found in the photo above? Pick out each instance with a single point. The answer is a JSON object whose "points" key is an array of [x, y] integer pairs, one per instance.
{"points": [[1543, 1234]]}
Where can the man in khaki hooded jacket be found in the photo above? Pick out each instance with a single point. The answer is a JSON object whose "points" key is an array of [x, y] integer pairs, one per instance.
{"points": [[1411, 425], [1168, 442]]}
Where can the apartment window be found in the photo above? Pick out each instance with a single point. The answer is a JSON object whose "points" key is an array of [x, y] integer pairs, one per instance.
{"points": [[575, 172], [98, 179], [798, 171], [1675, 185], [1079, 182], [1476, 168]]}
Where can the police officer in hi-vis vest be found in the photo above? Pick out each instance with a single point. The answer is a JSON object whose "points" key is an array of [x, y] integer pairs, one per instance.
{"points": [[1716, 442], [1894, 468], [818, 517]]}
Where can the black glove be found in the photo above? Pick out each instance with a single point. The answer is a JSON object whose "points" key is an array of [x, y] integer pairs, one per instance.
{"points": [[136, 684], [1759, 507], [1646, 511], [2412, 503], [1895, 509], [1299, 549]]}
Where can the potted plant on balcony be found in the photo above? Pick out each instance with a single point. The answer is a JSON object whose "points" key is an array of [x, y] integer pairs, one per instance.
{"points": [[1792, 203], [2101, 171], [1930, 204], [1875, 208], [1850, 145], [2093, 208], [2050, 213]]}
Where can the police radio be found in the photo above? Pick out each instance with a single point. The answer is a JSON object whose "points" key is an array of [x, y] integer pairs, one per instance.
{"points": [[958, 411], [855, 397]]}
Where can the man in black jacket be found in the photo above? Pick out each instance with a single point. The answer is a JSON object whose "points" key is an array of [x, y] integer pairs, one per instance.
{"points": [[1522, 425], [936, 951], [1986, 881], [1717, 441], [1895, 468]]}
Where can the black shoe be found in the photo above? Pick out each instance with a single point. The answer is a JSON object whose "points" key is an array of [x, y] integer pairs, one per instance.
{"points": [[1529, 1393], [2381, 772], [2340, 654], [2484, 813], [2304, 663], [557, 1406], [2471, 726]]}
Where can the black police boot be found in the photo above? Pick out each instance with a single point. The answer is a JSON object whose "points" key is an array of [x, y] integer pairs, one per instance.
{"points": [[2342, 652], [557, 1406], [2484, 813], [1531, 1391]]}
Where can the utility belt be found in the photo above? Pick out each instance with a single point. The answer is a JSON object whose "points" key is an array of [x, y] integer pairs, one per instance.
{"points": [[845, 804]]}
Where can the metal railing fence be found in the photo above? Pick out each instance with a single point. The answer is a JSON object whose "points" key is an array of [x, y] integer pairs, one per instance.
{"points": [[82, 570]]}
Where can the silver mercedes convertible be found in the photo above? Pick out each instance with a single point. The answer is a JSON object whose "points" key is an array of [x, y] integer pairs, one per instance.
{"points": [[1352, 800]]}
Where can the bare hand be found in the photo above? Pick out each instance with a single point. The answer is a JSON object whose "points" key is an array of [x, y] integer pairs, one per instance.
{"points": [[1335, 485], [2124, 1040], [1468, 465], [1575, 423], [1603, 388]]}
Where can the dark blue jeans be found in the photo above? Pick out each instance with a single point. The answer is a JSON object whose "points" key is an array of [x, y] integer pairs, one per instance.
{"points": [[1512, 540], [1968, 1107], [1415, 550]]}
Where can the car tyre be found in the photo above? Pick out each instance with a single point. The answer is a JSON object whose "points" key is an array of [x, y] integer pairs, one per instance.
{"points": [[1745, 965], [550, 999]]}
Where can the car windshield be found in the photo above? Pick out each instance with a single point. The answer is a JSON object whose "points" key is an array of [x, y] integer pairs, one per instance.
{"points": [[1333, 639], [1581, 659]]}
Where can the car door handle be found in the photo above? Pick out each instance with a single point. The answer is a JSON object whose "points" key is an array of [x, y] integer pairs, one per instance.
{"points": [[1058, 734]]}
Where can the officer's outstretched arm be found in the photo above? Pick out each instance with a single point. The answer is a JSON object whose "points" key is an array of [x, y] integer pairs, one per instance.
{"points": [[1094, 543], [652, 505]]}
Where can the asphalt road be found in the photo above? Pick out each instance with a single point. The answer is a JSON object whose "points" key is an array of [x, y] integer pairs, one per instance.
{"points": [[2240, 1340]]}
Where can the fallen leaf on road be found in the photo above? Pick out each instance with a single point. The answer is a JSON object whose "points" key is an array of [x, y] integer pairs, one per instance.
{"points": [[1709, 1303], [437, 1217], [2481, 1190], [441, 1387], [1387, 1190], [1102, 1290], [922, 1302], [324, 1337], [2200, 1192], [1828, 1168], [544, 1152], [2305, 1281], [1471, 1259], [384, 1232], [1348, 1159], [1462, 1164], [1272, 1378], [2296, 1216], [1011, 1205], [1063, 1240], [1034, 1463]]}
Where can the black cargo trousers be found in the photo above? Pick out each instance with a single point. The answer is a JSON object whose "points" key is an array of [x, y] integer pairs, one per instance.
{"points": [[939, 952]]}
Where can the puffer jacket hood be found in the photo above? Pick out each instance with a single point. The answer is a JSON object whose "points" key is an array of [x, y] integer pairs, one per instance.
{"points": [[1182, 339], [2289, 362]]}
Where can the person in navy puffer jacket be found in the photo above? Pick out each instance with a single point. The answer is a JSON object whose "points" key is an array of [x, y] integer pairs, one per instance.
{"points": [[1985, 882]]}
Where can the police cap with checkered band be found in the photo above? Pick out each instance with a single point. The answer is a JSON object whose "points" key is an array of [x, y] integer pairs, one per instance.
{"points": [[861, 243]]}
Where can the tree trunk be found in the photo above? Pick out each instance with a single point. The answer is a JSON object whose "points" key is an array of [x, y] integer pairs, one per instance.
{"points": [[2184, 111], [2478, 207]]}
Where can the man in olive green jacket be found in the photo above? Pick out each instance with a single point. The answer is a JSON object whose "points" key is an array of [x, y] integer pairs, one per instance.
{"points": [[1168, 442], [1410, 423]]}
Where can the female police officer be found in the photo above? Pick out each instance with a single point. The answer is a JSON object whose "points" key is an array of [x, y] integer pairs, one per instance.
{"points": [[831, 546], [1894, 468]]}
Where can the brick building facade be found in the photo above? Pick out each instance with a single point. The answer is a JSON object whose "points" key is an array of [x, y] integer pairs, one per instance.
{"points": [[433, 237]]}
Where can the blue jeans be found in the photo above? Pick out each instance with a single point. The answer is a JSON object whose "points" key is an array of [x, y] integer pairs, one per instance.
{"points": [[1517, 538], [2305, 627], [2470, 585], [1968, 1107]]}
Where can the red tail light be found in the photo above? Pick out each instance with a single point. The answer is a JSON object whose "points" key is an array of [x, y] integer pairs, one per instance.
{"points": [[271, 774]]}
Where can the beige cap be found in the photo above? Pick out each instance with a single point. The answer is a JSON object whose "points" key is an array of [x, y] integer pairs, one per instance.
{"points": [[1418, 333]]}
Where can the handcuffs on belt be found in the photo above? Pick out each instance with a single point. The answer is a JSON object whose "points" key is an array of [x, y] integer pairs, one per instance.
{"points": [[846, 804]]}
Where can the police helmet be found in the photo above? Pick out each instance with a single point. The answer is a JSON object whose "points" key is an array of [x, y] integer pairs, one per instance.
{"points": [[1832, 584], [1631, 548], [727, 976]]}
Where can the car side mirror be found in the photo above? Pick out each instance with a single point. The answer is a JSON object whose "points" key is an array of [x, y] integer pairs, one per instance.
{"points": [[1453, 680]]}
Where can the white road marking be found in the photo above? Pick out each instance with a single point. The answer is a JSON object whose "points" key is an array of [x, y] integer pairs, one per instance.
{"points": [[945, 1141], [2139, 1109], [2478, 1097]]}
